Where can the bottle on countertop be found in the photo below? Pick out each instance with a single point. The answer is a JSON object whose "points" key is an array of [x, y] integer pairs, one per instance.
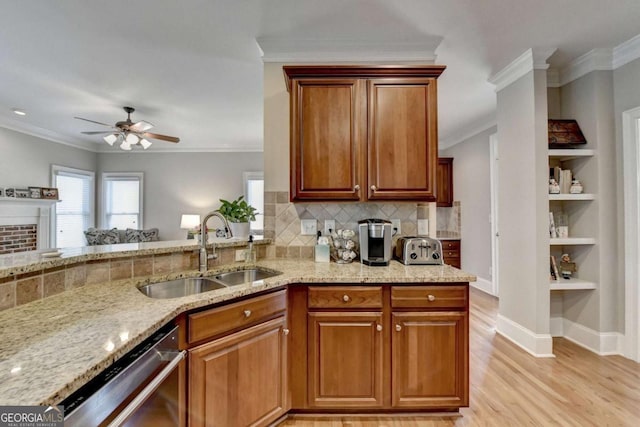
{"points": [[322, 248], [250, 253]]}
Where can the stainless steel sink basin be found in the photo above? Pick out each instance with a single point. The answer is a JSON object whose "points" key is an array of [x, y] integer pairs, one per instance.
{"points": [[233, 278], [180, 287]]}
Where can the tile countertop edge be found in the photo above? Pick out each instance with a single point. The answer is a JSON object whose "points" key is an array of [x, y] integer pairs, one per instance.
{"points": [[95, 315], [28, 262]]}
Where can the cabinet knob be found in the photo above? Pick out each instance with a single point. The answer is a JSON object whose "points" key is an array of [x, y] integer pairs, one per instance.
{"points": [[398, 327], [356, 187], [374, 188], [346, 298], [378, 327], [247, 313], [285, 331], [431, 297]]}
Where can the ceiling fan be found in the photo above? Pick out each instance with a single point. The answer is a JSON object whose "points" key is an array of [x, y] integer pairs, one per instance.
{"points": [[128, 132]]}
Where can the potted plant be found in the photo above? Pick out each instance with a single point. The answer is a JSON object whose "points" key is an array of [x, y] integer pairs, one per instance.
{"points": [[238, 213]]}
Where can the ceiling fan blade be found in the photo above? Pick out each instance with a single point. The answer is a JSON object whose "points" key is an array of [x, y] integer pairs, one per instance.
{"points": [[92, 121], [141, 126], [161, 137], [100, 132]]}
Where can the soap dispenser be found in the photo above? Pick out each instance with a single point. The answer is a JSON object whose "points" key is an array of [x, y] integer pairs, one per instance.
{"points": [[249, 253]]}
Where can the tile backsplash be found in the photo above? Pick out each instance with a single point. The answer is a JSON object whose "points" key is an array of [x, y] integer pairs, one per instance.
{"points": [[448, 219], [282, 220]]}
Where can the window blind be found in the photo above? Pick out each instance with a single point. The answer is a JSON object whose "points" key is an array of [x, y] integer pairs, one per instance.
{"points": [[122, 201], [74, 213]]}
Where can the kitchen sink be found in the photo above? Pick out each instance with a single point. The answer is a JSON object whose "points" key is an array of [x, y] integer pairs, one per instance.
{"points": [[233, 278], [180, 287]]}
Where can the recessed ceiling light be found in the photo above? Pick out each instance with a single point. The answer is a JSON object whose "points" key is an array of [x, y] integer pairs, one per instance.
{"points": [[19, 112]]}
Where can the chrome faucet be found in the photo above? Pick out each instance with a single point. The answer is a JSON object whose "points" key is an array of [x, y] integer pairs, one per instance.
{"points": [[204, 257]]}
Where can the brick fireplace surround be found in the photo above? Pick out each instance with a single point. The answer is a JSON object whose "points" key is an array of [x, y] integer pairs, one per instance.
{"points": [[18, 238]]}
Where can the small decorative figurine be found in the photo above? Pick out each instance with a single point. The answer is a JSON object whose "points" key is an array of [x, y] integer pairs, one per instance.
{"points": [[567, 267], [576, 186], [554, 187]]}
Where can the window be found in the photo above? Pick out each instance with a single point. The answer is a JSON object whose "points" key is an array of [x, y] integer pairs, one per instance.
{"points": [[75, 212], [254, 195], [122, 200]]}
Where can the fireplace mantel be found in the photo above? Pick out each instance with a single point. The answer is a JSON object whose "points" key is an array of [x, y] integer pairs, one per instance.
{"points": [[22, 211]]}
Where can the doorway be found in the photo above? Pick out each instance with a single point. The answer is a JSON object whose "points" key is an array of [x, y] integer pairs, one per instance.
{"points": [[495, 234], [631, 167]]}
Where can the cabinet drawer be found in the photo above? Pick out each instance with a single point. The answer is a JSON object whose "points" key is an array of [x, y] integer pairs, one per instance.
{"points": [[450, 245], [429, 296], [344, 296], [216, 321]]}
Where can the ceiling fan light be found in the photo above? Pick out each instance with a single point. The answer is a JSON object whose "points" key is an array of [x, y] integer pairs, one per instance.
{"points": [[145, 144], [110, 139], [125, 146], [131, 139]]}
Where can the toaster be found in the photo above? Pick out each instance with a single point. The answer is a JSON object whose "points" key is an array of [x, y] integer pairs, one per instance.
{"points": [[418, 250]]}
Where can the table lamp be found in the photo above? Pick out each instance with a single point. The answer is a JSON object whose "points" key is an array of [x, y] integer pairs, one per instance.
{"points": [[189, 222]]}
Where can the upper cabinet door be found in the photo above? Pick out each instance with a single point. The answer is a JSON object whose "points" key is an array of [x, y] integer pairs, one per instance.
{"points": [[402, 139], [444, 187], [328, 131]]}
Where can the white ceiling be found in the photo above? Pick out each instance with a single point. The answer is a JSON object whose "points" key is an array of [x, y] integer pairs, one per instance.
{"points": [[193, 68]]}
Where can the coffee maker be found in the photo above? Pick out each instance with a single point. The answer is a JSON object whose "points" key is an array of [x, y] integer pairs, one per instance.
{"points": [[375, 241]]}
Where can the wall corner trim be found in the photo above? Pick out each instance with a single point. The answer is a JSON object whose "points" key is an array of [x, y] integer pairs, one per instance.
{"points": [[531, 59], [538, 345]]}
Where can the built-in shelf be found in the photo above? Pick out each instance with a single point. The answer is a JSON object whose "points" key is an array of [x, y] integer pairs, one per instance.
{"points": [[572, 241], [27, 200], [565, 196], [567, 154], [572, 284]]}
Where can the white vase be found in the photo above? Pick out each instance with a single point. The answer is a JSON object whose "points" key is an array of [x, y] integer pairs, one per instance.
{"points": [[239, 229]]}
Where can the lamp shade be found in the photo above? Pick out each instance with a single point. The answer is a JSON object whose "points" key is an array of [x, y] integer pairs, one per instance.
{"points": [[189, 221], [110, 139], [131, 139]]}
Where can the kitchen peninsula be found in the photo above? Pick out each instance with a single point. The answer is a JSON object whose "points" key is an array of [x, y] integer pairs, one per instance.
{"points": [[51, 347]]}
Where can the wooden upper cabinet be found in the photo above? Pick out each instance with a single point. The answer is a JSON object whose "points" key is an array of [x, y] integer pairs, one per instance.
{"points": [[444, 187], [402, 139], [363, 132], [327, 138]]}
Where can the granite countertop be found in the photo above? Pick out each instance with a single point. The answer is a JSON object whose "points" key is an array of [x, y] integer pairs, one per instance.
{"points": [[27, 262], [51, 347]]}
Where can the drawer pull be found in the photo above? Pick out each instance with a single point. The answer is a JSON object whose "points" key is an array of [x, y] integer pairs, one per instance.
{"points": [[247, 313], [378, 327], [346, 298], [431, 297], [398, 327], [374, 188], [356, 187], [285, 331]]}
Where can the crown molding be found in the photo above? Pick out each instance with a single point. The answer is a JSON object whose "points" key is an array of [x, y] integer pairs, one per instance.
{"points": [[467, 132], [626, 52], [323, 51], [594, 60], [45, 134], [531, 59], [157, 150]]}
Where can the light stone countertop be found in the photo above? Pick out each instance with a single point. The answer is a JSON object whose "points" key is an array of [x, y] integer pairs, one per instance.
{"points": [[51, 347], [27, 262]]}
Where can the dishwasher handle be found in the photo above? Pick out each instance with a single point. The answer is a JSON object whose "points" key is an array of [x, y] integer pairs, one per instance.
{"points": [[150, 388]]}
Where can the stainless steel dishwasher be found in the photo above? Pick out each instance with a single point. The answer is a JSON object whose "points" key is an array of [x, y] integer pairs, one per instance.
{"points": [[140, 389]]}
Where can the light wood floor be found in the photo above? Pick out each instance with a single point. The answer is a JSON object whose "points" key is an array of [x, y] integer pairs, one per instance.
{"points": [[509, 387]]}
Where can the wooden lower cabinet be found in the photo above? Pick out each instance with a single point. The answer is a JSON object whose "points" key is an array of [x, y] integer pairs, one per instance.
{"points": [[345, 360], [240, 379], [429, 360]]}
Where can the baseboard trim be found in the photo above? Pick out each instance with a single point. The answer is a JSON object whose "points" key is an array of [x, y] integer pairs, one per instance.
{"points": [[538, 345], [484, 285], [601, 343]]}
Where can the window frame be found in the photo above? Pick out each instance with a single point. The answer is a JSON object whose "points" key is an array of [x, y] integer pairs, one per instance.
{"points": [[55, 171], [104, 177], [249, 176]]}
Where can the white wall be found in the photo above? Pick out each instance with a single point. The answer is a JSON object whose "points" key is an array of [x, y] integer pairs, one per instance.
{"points": [[471, 183], [523, 206], [180, 183], [26, 160]]}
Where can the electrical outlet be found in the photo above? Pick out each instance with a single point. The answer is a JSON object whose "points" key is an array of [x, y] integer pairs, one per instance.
{"points": [[423, 227], [329, 224], [397, 226], [308, 227], [240, 254]]}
